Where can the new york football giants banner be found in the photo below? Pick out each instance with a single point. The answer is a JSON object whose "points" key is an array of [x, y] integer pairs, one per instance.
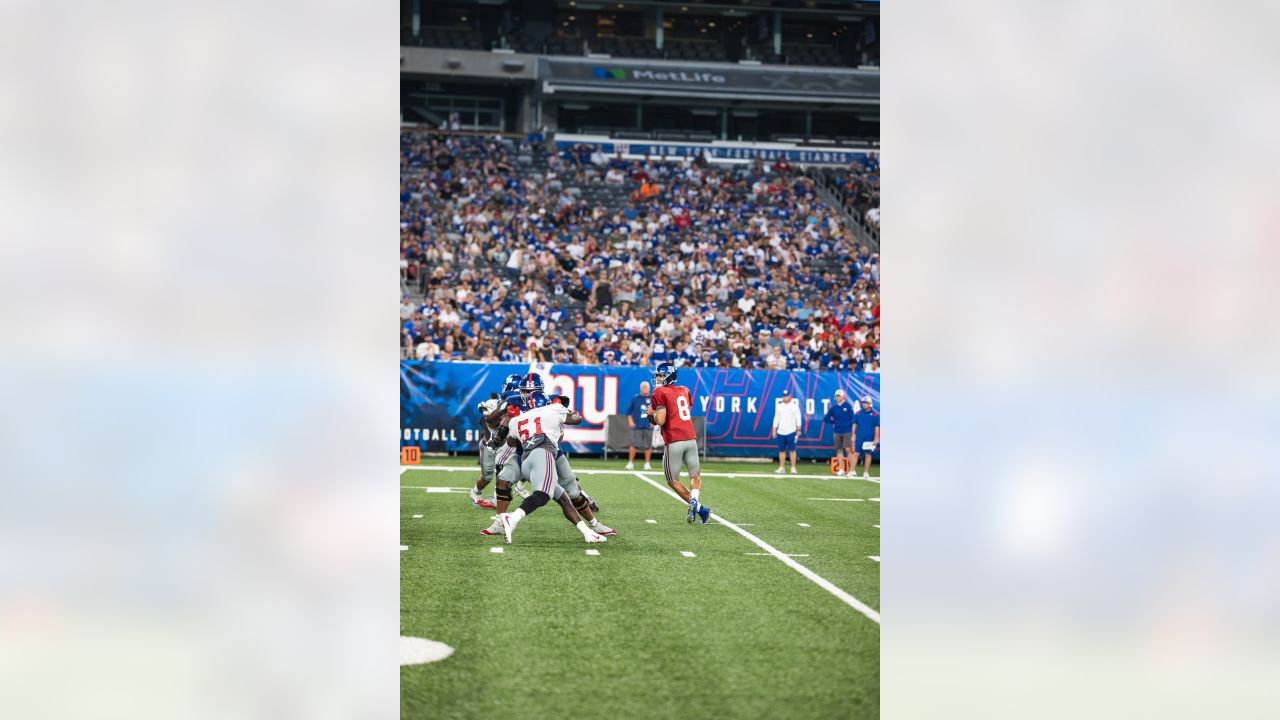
{"points": [[438, 403]]}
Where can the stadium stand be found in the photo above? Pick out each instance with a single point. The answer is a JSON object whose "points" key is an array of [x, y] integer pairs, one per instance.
{"points": [[458, 38], [574, 257], [854, 43], [858, 191]]}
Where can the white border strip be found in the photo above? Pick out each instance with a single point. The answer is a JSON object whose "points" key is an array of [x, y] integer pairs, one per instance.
{"points": [[818, 580]]}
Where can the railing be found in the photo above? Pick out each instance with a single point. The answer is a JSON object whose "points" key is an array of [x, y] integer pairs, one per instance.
{"points": [[865, 233]]}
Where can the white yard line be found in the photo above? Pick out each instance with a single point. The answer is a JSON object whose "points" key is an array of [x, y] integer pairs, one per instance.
{"points": [[813, 577], [874, 557], [472, 468], [434, 488], [787, 554], [840, 499]]}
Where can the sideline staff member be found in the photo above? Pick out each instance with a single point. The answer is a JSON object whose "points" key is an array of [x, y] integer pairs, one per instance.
{"points": [[868, 423], [638, 421], [841, 417], [786, 424]]}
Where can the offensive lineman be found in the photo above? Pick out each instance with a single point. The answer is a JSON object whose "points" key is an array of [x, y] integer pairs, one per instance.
{"points": [[493, 414], [538, 431], [671, 410], [507, 462]]}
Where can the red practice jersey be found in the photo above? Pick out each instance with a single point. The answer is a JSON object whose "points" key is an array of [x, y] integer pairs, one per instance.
{"points": [[679, 405]]}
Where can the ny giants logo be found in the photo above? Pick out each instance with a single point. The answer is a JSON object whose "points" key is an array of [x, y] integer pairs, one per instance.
{"points": [[595, 404]]}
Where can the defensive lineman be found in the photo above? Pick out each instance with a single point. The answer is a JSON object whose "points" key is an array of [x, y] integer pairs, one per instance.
{"points": [[538, 431], [672, 411], [516, 392]]}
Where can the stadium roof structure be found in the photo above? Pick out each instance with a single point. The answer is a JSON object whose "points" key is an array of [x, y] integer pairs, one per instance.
{"points": [[824, 7]]}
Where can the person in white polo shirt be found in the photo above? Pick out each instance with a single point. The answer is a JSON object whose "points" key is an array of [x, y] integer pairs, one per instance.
{"points": [[786, 425]]}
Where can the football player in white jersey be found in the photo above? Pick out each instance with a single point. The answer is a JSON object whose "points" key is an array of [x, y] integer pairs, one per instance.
{"points": [[568, 480], [538, 431], [487, 455]]}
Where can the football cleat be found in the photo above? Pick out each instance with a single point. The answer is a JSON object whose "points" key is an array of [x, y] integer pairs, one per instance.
{"points": [[507, 526], [603, 529], [704, 512], [480, 502], [594, 537], [493, 530], [693, 509]]}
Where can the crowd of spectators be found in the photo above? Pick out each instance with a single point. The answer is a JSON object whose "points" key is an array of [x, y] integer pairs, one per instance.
{"points": [[711, 266], [858, 187]]}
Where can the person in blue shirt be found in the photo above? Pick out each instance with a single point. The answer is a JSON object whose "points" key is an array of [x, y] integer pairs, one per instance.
{"points": [[641, 431], [841, 417], [867, 422], [658, 352]]}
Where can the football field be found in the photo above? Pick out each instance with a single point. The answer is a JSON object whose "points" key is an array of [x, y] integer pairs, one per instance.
{"points": [[771, 611]]}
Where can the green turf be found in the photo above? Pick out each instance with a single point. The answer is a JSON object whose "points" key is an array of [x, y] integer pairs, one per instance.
{"points": [[545, 631]]}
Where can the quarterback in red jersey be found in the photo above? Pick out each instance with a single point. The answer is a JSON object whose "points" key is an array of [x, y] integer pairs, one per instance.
{"points": [[671, 410]]}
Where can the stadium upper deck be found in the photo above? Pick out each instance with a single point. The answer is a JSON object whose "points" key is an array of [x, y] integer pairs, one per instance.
{"points": [[816, 33]]}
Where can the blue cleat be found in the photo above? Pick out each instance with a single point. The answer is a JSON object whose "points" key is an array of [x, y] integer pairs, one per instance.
{"points": [[704, 512], [693, 509]]}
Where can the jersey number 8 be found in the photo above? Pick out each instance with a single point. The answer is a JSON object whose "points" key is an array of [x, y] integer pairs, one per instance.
{"points": [[682, 408]]}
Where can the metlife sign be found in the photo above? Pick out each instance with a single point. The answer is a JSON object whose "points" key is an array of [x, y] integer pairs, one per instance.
{"points": [[640, 74], [762, 82]]}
